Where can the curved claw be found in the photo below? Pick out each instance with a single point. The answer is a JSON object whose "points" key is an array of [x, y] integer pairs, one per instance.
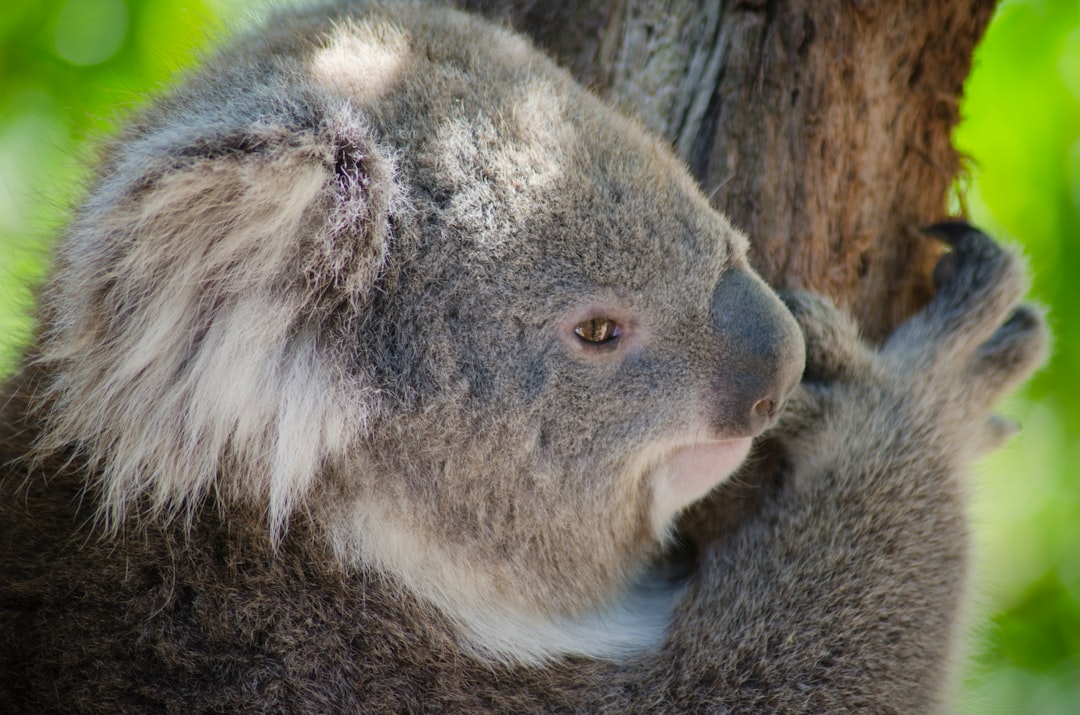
{"points": [[950, 232]]}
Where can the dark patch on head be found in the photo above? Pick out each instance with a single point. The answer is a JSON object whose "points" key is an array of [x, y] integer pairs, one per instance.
{"points": [[238, 143], [533, 379]]}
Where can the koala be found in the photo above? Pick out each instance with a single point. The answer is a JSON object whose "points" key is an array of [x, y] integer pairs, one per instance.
{"points": [[377, 370]]}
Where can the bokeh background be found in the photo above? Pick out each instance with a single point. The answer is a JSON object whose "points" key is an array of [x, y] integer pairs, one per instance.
{"points": [[69, 68]]}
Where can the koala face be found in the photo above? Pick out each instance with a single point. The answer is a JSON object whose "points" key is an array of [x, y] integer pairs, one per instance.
{"points": [[485, 329], [595, 356]]}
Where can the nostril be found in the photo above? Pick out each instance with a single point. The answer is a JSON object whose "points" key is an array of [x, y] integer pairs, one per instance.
{"points": [[762, 414], [763, 409]]}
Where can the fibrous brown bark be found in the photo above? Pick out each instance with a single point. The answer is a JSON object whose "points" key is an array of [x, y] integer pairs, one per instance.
{"points": [[820, 127]]}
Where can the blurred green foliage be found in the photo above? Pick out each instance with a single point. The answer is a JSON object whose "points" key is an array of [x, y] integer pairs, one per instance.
{"points": [[69, 68], [1021, 129]]}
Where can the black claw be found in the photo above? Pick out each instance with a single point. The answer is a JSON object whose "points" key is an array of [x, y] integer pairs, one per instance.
{"points": [[1023, 322], [950, 231], [1023, 318]]}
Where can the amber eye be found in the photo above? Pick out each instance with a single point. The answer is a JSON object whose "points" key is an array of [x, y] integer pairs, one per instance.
{"points": [[597, 330]]}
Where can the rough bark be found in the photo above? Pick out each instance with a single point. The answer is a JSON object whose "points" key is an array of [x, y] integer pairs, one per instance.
{"points": [[820, 127]]}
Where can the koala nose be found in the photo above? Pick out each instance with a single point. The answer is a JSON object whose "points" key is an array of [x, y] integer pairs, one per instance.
{"points": [[760, 354]]}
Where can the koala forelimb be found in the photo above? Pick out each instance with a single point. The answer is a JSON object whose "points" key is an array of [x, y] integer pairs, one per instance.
{"points": [[375, 373]]}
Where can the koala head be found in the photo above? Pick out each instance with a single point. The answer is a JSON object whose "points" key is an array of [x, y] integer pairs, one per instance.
{"points": [[399, 271]]}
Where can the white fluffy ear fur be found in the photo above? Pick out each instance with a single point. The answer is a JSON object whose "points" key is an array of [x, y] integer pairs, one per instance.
{"points": [[197, 365]]}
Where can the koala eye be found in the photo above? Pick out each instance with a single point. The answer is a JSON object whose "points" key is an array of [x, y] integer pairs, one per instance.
{"points": [[598, 331]]}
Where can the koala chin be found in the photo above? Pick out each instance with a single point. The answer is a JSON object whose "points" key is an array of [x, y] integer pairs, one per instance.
{"points": [[376, 367]]}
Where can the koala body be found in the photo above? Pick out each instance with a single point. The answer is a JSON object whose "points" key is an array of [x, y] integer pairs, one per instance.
{"points": [[377, 368]]}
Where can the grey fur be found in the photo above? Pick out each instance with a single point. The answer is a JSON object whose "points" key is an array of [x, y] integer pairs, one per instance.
{"points": [[307, 427]]}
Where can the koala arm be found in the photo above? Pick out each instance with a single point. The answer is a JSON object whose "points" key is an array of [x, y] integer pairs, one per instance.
{"points": [[844, 593]]}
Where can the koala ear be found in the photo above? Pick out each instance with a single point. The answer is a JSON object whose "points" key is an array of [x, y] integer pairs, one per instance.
{"points": [[182, 341]]}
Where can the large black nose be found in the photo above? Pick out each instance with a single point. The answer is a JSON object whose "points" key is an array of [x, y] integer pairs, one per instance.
{"points": [[760, 354]]}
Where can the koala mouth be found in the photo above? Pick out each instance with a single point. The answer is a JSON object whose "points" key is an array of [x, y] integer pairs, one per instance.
{"points": [[690, 472], [696, 469]]}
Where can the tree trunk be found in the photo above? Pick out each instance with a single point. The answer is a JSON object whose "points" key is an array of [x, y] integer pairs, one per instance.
{"points": [[820, 127]]}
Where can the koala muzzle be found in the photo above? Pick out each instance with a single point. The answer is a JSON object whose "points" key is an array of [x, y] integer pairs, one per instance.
{"points": [[760, 355]]}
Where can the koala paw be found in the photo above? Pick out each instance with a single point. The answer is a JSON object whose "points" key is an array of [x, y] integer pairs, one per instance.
{"points": [[975, 340], [979, 284], [835, 356], [833, 347], [938, 375]]}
